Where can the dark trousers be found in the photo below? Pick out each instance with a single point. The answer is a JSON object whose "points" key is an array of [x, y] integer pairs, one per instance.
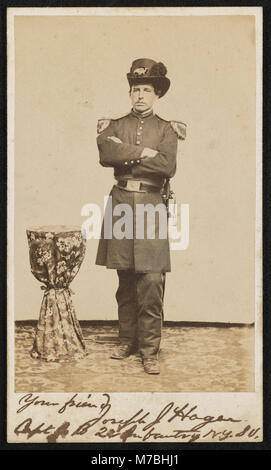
{"points": [[140, 310]]}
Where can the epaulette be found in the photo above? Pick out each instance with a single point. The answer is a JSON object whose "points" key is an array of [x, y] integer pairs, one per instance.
{"points": [[103, 123], [178, 127]]}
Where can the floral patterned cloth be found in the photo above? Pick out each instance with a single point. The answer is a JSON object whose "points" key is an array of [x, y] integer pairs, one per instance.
{"points": [[56, 254]]}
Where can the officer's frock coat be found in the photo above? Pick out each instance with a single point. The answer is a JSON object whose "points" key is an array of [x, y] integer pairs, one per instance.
{"points": [[136, 133]]}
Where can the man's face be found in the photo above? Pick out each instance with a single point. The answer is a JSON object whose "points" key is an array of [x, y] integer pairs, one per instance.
{"points": [[143, 97]]}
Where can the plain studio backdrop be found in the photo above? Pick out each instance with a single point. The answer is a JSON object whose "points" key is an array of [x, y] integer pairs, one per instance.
{"points": [[69, 72]]}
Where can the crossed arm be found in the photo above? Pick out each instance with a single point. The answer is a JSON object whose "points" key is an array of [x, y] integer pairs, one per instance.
{"points": [[143, 160]]}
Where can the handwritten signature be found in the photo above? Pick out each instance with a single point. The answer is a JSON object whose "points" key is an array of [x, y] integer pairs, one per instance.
{"points": [[187, 423]]}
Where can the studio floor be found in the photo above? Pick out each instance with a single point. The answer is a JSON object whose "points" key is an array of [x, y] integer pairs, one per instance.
{"points": [[193, 359]]}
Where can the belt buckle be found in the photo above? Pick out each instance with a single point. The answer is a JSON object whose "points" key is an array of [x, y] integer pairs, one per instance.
{"points": [[133, 185]]}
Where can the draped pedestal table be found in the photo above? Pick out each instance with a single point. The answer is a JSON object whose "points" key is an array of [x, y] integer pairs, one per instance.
{"points": [[56, 254]]}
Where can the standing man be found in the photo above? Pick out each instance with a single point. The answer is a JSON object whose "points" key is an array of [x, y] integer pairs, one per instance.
{"points": [[142, 148]]}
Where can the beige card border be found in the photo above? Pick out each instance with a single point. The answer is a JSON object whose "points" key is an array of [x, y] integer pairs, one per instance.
{"points": [[246, 407]]}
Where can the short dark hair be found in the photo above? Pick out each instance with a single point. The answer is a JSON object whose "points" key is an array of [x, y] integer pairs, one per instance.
{"points": [[157, 90]]}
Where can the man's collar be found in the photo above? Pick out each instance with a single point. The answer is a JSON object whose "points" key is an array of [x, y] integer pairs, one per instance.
{"points": [[145, 115]]}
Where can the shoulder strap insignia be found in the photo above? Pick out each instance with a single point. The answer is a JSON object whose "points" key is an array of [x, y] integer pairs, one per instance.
{"points": [[179, 129], [102, 125], [162, 119]]}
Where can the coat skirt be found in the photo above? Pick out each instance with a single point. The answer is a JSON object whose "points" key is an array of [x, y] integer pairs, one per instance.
{"points": [[147, 253]]}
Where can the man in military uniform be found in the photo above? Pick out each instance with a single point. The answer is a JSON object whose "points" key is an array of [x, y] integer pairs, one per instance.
{"points": [[142, 148]]}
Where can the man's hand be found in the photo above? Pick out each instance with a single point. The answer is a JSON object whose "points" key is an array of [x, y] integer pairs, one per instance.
{"points": [[115, 139], [147, 152]]}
